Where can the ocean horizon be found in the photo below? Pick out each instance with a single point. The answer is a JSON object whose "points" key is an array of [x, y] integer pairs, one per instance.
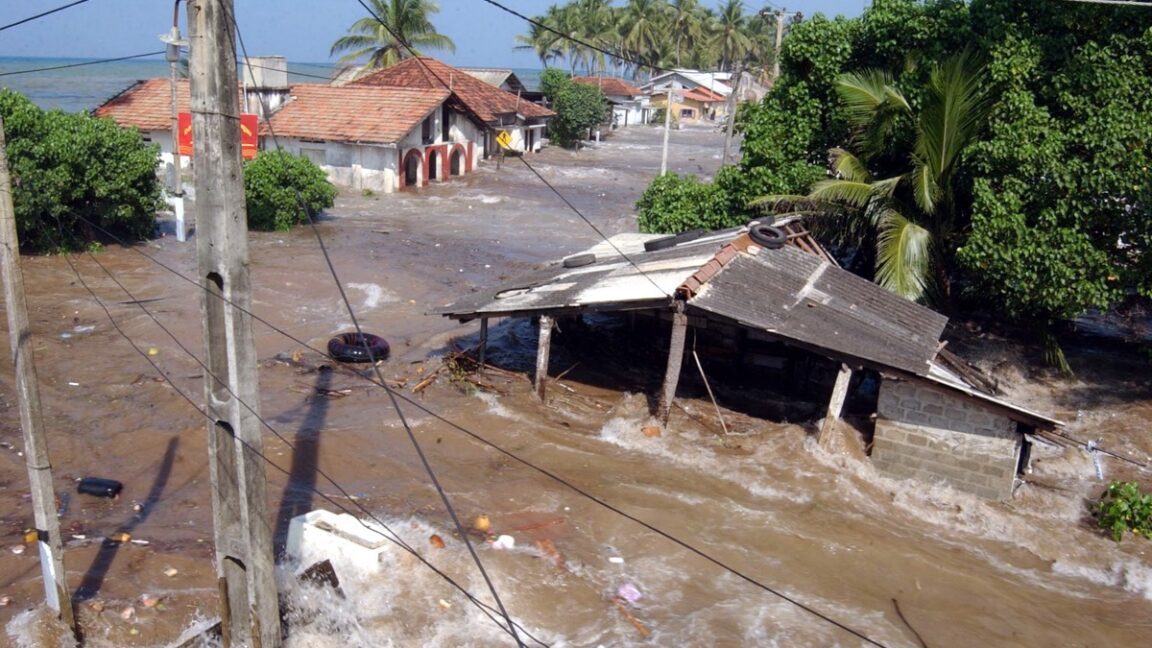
{"points": [[76, 85]]}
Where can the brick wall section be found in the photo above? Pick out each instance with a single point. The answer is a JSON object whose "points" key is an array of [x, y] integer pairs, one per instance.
{"points": [[935, 436]]}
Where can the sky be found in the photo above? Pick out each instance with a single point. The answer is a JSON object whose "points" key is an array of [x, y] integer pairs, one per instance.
{"points": [[301, 30]]}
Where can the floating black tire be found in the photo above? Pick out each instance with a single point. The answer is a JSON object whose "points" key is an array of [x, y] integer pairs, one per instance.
{"points": [[579, 260], [767, 236], [671, 241], [358, 347]]}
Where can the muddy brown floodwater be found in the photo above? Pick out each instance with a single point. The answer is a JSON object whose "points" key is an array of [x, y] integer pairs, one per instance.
{"points": [[900, 562]]}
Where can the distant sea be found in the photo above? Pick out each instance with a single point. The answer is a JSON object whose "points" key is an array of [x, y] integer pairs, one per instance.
{"points": [[60, 83]]}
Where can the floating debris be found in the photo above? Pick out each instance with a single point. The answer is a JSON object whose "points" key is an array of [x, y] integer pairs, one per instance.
{"points": [[170, 572], [127, 613], [482, 523], [17, 549], [436, 541], [504, 542]]}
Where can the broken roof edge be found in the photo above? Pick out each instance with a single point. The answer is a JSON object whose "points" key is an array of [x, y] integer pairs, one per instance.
{"points": [[609, 307]]}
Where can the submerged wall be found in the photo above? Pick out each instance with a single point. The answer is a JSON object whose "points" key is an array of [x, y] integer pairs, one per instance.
{"points": [[935, 436]]}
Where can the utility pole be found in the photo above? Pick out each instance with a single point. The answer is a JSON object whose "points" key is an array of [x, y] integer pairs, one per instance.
{"points": [[250, 614], [780, 15], [173, 42], [733, 100], [56, 592], [671, 94]]}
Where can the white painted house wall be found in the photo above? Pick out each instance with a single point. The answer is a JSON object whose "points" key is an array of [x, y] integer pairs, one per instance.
{"points": [[358, 166]]}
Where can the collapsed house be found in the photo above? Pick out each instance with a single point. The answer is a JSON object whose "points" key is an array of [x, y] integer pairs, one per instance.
{"points": [[769, 303]]}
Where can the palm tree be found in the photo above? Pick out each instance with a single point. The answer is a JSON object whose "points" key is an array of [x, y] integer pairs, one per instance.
{"points": [[398, 29], [643, 26], [687, 23], [541, 41], [730, 36], [914, 217]]}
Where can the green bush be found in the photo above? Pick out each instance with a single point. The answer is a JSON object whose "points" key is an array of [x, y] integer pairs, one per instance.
{"points": [[578, 107], [278, 184], [673, 204], [76, 179], [1125, 508]]}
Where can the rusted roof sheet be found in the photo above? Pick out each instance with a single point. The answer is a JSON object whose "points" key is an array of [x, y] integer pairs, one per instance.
{"points": [[801, 297], [351, 113], [146, 105], [485, 101]]}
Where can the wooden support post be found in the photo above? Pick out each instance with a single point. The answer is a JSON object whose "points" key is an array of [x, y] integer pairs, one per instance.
{"points": [[56, 593], [835, 406], [483, 341], [544, 347], [675, 360], [243, 530]]}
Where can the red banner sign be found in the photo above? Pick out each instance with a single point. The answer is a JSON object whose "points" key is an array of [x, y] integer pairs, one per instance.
{"points": [[249, 142]]}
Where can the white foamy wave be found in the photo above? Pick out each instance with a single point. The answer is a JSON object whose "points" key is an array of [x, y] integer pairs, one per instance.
{"points": [[1131, 575], [496, 408], [374, 295]]}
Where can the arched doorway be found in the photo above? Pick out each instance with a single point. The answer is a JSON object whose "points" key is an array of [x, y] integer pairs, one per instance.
{"points": [[456, 162], [434, 159], [412, 162]]}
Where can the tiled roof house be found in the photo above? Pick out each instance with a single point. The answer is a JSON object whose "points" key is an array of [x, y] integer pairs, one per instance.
{"points": [[629, 103], [381, 138], [147, 107], [491, 107]]}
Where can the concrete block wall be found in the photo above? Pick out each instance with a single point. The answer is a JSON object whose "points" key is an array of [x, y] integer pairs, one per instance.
{"points": [[933, 435]]}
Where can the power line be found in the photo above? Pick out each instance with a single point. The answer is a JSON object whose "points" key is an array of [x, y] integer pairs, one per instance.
{"points": [[544, 471], [511, 627], [568, 37], [41, 15], [394, 537], [74, 65]]}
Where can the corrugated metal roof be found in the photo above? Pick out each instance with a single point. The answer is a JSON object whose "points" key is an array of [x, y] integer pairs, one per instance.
{"points": [[622, 276], [786, 292], [800, 297]]}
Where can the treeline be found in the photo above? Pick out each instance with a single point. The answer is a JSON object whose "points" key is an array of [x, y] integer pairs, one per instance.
{"points": [[641, 35], [999, 147]]}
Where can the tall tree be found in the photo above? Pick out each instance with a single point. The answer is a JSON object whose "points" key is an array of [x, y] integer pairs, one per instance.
{"points": [[730, 37], [643, 26], [398, 29], [906, 182], [687, 23]]}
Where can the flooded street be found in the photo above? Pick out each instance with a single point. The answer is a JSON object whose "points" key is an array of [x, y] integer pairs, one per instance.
{"points": [[754, 538]]}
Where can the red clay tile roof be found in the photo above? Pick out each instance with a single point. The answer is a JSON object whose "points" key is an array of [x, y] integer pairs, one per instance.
{"points": [[611, 86], [703, 94], [146, 105], [353, 113], [481, 99]]}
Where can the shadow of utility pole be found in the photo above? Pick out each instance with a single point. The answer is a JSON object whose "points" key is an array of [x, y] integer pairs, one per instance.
{"points": [[94, 578], [297, 496]]}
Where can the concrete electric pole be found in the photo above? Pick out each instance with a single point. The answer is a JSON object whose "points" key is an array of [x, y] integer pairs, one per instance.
{"points": [[250, 614], [56, 592]]}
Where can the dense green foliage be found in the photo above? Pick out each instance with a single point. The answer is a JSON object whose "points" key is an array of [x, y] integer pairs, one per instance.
{"points": [[675, 204], [637, 30], [276, 183], [578, 107], [1051, 207], [76, 179], [398, 29], [1125, 508]]}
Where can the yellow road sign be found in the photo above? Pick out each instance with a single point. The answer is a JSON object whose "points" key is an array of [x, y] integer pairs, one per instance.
{"points": [[504, 139]]}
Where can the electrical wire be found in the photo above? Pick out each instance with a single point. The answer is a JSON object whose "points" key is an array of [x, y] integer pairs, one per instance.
{"points": [[568, 37], [41, 15], [391, 535], [75, 65], [511, 627]]}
